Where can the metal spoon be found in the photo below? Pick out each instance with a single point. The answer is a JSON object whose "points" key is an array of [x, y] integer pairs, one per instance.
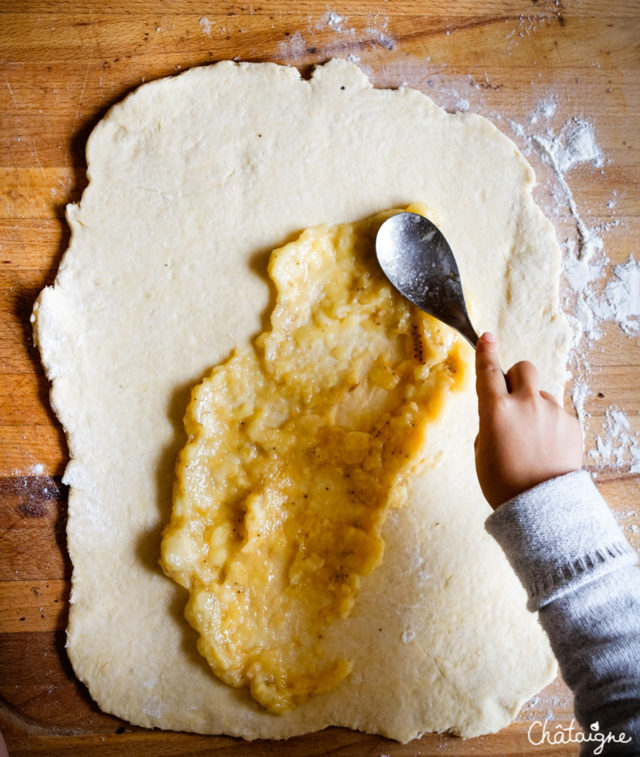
{"points": [[417, 260]]}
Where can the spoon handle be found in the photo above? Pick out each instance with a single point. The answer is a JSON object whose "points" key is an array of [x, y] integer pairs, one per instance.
{"points": [[462, 324], [468, 332]]}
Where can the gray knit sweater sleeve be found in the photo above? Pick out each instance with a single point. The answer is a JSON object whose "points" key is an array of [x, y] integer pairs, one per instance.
{"points": [[581, 574]]}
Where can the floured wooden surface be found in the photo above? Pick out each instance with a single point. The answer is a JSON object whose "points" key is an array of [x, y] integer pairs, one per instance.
{"points": [[63, 72]]}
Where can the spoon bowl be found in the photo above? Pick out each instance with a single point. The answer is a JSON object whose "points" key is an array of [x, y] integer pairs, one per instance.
{"points": [[419, 263]]}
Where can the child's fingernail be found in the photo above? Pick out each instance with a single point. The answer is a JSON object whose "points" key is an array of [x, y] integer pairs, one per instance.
{"points": [[488, 337]]}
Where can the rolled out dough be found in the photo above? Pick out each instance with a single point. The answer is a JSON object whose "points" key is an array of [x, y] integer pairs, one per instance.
{"points": [[193, 180]]}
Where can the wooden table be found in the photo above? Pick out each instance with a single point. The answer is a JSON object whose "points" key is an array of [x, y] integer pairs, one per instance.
{"points": [[63, 63]]}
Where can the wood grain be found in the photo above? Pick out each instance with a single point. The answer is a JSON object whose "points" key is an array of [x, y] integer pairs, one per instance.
{"points": [[64, 63]]}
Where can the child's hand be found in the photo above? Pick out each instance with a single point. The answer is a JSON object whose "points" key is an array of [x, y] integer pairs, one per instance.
{"points": [[525, 437]]}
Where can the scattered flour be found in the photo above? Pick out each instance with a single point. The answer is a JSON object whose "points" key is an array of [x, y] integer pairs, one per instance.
{"points": [[579, 394], [574, 145], [598, 293], [516, 128], [205, 26], [334, 21], [622, 297], [585, 274], [548, 107], [547, 706], [293, 47], [617, 446], [623, 519], [376, 30]]}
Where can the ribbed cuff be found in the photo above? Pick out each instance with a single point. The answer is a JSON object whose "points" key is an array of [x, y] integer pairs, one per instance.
{"points": [[558, 536]]}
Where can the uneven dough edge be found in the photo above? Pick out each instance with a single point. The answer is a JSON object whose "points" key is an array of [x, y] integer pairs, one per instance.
{"points": [[57, 329]]}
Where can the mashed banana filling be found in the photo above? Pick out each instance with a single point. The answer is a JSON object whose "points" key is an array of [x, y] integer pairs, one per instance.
{"points": [[297, 448]]}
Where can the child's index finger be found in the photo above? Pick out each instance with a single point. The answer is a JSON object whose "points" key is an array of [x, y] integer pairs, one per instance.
{"points": [[489, 376]]}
